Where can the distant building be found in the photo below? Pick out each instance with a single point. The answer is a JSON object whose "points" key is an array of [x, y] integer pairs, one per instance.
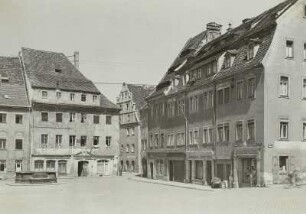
{"points": [[74, 128], [143, 112], [14, 118], [233, 105], [131, 99]]}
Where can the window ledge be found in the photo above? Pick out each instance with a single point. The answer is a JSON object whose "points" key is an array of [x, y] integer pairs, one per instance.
{"points": [[283, 96], [283, 139], [289, 58]]}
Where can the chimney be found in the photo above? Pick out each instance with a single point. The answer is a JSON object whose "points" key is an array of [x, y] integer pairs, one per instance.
{"points": [[229, 27], [213, 31], [76, 59]]}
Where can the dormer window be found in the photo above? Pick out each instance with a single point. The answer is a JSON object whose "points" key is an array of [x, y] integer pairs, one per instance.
{"points": [[227, 61], [58, 70], [44, 94], [94, 98], [250, 54], [4, 77], [72, 95]]}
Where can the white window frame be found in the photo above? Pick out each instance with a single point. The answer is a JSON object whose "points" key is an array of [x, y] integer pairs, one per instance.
{"points": [[248, 131], [44, 94], [289, 50], [283, 136], [280, 85], [242, 136]]}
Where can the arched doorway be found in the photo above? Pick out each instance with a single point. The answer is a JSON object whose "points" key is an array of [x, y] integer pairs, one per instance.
{"points": [[82, 168]]}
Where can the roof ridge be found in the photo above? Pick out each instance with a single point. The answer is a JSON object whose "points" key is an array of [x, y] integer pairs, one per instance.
{"points": [[24, 48], [10, 57]]}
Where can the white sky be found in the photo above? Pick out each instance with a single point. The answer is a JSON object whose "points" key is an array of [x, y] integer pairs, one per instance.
{"points": [[132, 41]]}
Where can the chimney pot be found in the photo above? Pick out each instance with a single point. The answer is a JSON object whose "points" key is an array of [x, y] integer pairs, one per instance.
{"points": [[76, 59]]}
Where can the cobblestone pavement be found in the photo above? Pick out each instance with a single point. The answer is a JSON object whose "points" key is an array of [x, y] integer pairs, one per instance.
{"points": [[119, 195]]}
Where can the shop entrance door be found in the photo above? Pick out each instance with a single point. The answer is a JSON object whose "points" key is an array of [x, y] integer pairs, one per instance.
{"points": [[249, 173]]}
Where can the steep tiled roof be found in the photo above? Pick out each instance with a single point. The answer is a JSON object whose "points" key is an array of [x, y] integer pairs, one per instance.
{"points": [[40, 68], [106, 103], [140, 92], [262, 25], [12, 87]]}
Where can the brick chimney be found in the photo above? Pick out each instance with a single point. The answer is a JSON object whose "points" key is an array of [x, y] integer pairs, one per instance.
{"points": [[76, 59], [213, 31]]}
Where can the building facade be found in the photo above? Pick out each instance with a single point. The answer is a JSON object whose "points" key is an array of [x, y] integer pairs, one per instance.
{"points": [[14, 119], [131, 99], [232, 105], [74, 128]]}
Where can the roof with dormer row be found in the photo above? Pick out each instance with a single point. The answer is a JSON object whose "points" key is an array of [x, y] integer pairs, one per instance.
{"points": [[259, 29]]}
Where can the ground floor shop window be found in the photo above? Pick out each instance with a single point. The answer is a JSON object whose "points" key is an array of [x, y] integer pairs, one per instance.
{"points": [[62, 167], [199, 170], [39, 165], [50, 165], [133, 166]]}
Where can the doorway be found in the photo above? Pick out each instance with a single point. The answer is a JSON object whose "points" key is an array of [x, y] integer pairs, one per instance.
{"points": [[208, 172], [249, 172], [151, 170], [82, 168], [103, 167]]}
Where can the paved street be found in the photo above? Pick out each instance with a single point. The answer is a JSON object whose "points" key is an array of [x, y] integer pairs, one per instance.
{"points": [[120, 195]]}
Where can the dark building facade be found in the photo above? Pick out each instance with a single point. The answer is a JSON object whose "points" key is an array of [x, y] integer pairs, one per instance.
{"points": [[211, 114]]}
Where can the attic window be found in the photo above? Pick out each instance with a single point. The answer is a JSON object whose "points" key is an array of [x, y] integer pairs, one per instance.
{"points": [[58, 70], [4, 77], [250, 53]]}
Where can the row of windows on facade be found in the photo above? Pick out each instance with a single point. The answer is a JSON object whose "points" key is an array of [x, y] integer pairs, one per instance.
{"points": [[18, 118], [18, 143], [18, 165], [211, 68], [44, 95], [130, 132], [73, 118], [284, 87], [128, 148], [127, 165], [127, 118], [73, 140], [50, 166], [128, 106], [223, 134], [223, 97]]}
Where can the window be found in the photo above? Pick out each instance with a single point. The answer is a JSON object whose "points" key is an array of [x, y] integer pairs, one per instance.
{"points": [[283, 134], [162, 140], [304, 132], [58, 141], [108, 119], [44, 141], [304, 89], [196, 136], [58, 95], [205, 100], [251, 130], [220, 133], [39, 165], [220, 96], [304, 51], [50, 165], [228, 61], [96, 119], [2, 165], [83, 117], [59, 117], [239, 131], [251, 87], [289, 49], [18, 165], [210, 99], [283, 163], [96, 140], [128, 132], [133, 148], [239, 90], [108, 141], [133, 131], [44, 94], [18, 144], [205, 135], [127, 148], [94, 98], [18, 118], [199, 170], [72, 96], [72, 140], [72, 117], [83, 141], [44, 116], [226, 132], [210, 135], [2, 118], [226, 95], [250, 51], [190, 137], [83, 97], [284, 86], [2, 143]]}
